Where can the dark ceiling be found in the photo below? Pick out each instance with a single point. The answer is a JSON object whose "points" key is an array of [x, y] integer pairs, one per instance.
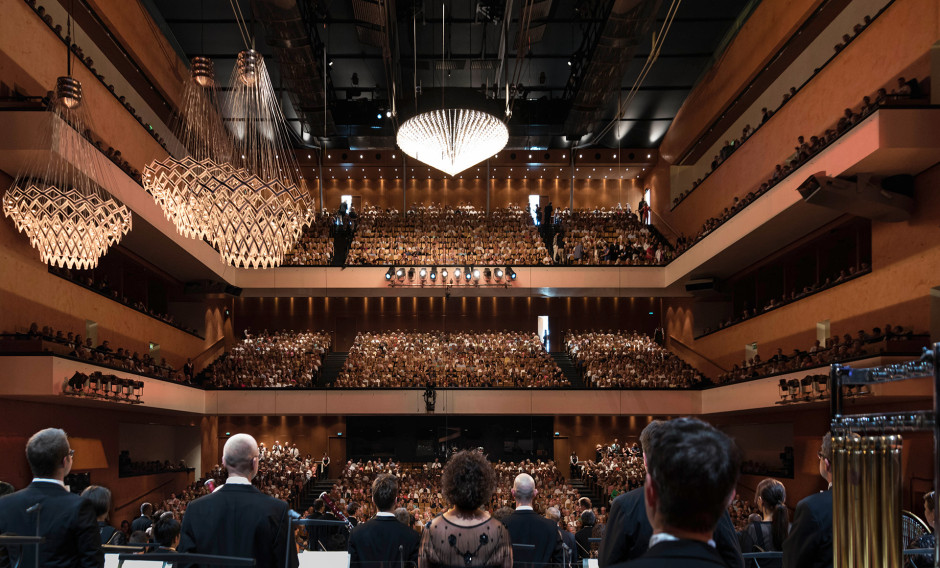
{"points": [[564, 69]]}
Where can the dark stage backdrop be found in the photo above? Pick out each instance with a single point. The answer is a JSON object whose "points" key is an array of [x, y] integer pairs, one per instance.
{"points": [[344, 317], [424, 438]]}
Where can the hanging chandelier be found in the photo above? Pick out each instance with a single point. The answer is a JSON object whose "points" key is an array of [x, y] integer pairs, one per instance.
{"points": [[452, 140], [59, 200], [181, 186], [260, 207]]}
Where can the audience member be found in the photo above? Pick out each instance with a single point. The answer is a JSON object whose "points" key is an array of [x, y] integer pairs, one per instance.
{"points": [[315, 246], [768, 533], [100, 499], [383, 541], [929, 540], [628, 360], [144, 521], [610, 237], [280, 359]]}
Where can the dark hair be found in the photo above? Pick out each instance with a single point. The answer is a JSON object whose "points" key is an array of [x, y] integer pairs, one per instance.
{"points": [[45, 451], [352, 508], [588, 518], [930, 500], [468, 480], [138, 537], [647, 432], [774, 496], [146, 509], [6, 488], [502, 513], [585, 502], [385, 491], [165, 531], [694, 469], [99, 497], [825, 451]]}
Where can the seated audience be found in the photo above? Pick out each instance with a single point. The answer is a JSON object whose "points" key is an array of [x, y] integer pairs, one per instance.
{"points": [[614, 237], [280, 359], [315, 247], [446, 236], [628, 360], [414, 360]]}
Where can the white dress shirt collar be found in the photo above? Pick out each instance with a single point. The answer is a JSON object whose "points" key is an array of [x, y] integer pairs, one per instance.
{"points": [[49, 480], [237, 480]]}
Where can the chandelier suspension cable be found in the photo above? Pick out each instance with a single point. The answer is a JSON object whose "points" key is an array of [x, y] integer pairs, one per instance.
{"points": [[242, 26]]}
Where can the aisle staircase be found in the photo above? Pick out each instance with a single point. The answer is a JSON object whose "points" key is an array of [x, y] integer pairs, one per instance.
{"points": [[341, 243], [319, 486], [332, 365], [568, 367], [597, 500]]}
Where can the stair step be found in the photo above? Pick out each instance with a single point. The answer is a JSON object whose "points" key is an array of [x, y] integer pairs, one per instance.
{"points": [[568, 367]]}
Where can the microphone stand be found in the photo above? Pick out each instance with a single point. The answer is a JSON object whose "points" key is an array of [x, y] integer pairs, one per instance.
{"points": [[38, 508]]}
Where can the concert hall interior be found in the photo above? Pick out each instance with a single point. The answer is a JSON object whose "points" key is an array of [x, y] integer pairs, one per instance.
{"points": [[655, 209]]}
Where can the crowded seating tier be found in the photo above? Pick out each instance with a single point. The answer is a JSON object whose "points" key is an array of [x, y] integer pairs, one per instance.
{"points": [[607, 237], [628, 360], [412, 359], [315, 247], [281, 359]]}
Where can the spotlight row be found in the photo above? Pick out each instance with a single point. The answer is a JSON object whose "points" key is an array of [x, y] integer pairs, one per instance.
{"points": [[456, 275]]}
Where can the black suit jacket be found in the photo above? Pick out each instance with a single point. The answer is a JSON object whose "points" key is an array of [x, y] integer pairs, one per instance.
{"points": [[528, 527], [809, 544], [573, 556], [239, 520], [582, 539], [629, 531], [141, 523], [66, 521], [677, 554], [376, 543]]}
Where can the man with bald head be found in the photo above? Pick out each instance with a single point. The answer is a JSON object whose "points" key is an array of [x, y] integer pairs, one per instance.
{"points": [[238, 519], [535, 539]]}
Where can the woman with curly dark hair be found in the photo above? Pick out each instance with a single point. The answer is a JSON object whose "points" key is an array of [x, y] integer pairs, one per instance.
{"points": [[466, 536]]}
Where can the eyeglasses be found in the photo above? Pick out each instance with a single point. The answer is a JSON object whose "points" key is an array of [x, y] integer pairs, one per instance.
{"points": [[71, 453]]}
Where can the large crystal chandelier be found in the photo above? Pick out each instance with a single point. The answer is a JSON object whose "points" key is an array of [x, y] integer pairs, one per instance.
{"points": [[452, 140], [59, 200], [182, 186], [261, 207]]}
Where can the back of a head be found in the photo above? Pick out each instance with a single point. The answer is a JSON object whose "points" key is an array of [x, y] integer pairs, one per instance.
{"points": [[468, 480], [238, 454], [647, 433], [165, 531], [6, 488], [385, 492], [523, 488], [99, 497], [403, 517], [553, 513], [138, 537], [774, 496], [694, 469], [585, 503], [45, 451], [588, 518], [146, 509]]}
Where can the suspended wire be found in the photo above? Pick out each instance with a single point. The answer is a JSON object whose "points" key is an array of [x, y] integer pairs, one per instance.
{"points": [[658, 41], [242, 26]]}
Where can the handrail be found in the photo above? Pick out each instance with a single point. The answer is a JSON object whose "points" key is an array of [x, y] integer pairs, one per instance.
{"points": [[672, 339], [198, 360], [138, 498]]}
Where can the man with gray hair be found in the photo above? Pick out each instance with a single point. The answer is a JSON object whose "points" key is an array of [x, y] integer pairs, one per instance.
{"points": [[567, 537], [45, 507], [535, 539], [238, 519]]}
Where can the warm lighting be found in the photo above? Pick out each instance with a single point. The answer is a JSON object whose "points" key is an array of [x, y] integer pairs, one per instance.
{"points": [[59, 201], [452, 140]]}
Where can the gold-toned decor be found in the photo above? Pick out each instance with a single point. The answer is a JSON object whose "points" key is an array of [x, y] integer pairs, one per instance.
{"points": [[182, 186], [59, 200], [261, 208], [452, 140]]}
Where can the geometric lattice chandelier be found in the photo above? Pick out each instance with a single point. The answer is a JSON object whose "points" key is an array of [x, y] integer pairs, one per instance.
{"points": [[260, 205], [452, 140], [58, 200], [180, 185]]}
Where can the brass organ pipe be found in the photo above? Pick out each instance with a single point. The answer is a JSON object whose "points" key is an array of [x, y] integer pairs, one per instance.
{"points": [[893, 515], [837, 469], [855, 539]]}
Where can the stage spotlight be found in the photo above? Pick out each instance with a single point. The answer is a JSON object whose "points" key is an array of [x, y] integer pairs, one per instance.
{"points": [[444, 273], [487, 273], [457, 273], [476, 273], [411, 273], [434, 274], [467, 271], [511, 273], [499, 273], [400, 273], [423, 273], [391, 271]]}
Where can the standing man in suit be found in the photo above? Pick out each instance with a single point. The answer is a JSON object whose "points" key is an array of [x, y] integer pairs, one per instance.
{"points": [[383, 541], [143, 522], [809, 544], [691, 476], [569, 544], [526, 527], [66, 521], [583, 536], [629, 530], [237, 519]]}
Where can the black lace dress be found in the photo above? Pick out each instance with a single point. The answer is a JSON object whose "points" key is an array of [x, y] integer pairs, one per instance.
{"points": [[447, 545]]}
